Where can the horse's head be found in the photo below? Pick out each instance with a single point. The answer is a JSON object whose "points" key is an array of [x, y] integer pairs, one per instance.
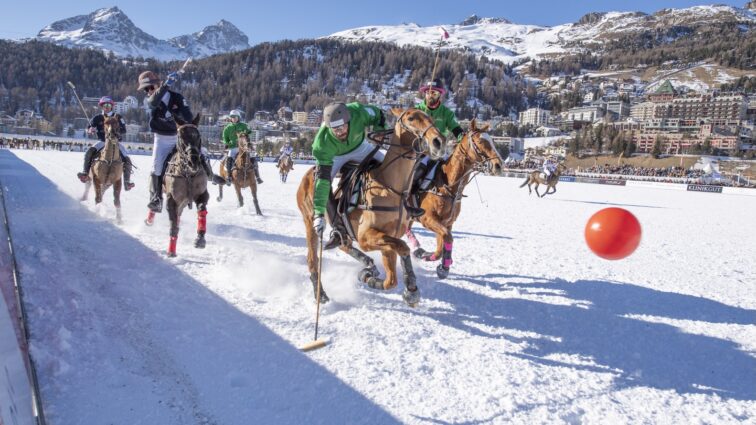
{"points": [[112, 128], [418, 131], [189, 139], [479, 149], [242, 140]]}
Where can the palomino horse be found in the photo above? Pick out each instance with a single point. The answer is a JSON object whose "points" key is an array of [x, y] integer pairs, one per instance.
{"points": [[185, 182], [536, 177], [107, 169], [475, 153], [285, 165], [242, 174], [381, 221]]}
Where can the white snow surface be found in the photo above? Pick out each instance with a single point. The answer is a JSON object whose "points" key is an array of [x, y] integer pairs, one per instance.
{"points": [[530, 326], [511, 42]]}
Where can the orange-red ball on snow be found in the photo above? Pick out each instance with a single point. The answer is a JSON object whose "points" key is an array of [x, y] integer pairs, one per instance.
{"points": [[613, 233]]}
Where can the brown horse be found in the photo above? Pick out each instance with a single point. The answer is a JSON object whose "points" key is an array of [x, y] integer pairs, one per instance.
{"points": [[107, 169], [243, 173], [536, 177], [381, 221], [185, 182], [442, 203], [285, 165]]}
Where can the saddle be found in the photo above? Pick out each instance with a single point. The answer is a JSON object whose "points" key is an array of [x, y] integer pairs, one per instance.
{"points": [[350, 192]]}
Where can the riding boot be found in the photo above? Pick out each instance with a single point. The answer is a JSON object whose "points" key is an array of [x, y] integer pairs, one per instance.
{"points": [[229, 168], [339, 234], [127, 169], [412, 203], [257, 172], [156, 193], [88, 157]]}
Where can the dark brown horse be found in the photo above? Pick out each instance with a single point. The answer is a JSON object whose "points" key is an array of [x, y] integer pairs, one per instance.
{"points": [[381, 221], [243, 173], [442, 203], [185, 182], [537, 178], [107, 169]]}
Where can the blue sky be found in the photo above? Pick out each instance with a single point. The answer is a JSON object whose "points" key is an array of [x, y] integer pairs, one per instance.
{"points": [[276, 20]]}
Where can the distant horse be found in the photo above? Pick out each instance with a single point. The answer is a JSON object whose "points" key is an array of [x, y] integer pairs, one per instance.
{"points": [[285, 165], [107, 168], [242, 174], [475, 153], [538, 178], [381, 221], [185, 182]]}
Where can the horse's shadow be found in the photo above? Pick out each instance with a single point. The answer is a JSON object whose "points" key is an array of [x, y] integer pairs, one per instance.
{"points": [[600, 321], [418, 229], [247, 233]]}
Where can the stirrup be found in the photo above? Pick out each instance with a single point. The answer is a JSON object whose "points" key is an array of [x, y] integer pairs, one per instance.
{"points": [[336, 240]]}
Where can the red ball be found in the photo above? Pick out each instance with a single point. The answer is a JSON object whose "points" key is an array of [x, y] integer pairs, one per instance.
{"points": [[613, 233]]}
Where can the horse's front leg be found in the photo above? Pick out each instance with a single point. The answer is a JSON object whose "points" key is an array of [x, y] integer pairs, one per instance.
{"points": [[370, 270], [536, 191], [373, 239], [444, 243], [173, 216], [220, 193], [117, 200], [99, 188], [87, 188], [239, 198], [201, 201], [253, 189], [411, 295]]}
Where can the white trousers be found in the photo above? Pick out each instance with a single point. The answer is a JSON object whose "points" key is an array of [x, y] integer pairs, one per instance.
{"points": [[161, 148], [100, 145], [357, 155]]}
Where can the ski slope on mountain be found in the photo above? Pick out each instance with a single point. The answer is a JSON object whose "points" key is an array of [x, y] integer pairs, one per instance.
{"points": [[530, 327]]}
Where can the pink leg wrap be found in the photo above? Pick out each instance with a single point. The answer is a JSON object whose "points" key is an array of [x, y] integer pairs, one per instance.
{"points": [[447, 257], [414, 243]]}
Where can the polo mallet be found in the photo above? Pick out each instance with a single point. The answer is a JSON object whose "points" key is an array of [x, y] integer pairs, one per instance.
{"points": [[317, 343], [444, 36], [73, 88]]}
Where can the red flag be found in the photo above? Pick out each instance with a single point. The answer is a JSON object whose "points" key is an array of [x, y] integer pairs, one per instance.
{"points": [[444, 34]]}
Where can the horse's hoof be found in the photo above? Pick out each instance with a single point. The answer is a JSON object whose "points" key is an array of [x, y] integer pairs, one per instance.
{"points": [[412, 298], [199, 242], [218, 199], [170, 254], [323, 298], [419, 253], [365, 274], [442, 272]]}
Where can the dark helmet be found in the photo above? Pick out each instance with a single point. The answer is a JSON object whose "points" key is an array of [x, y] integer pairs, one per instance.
{"points": [[335, 115], [433, 85], [148, 78]]}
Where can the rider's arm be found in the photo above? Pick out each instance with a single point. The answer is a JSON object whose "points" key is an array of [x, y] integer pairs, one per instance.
{"points": [[374, 117], [324, 164], [451, 123], [154, 100], [226, 137], [122, 123]]}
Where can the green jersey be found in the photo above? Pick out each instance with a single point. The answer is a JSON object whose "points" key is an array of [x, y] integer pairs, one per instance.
{"points": [[230, 133], [442, 116], [326, 146]]}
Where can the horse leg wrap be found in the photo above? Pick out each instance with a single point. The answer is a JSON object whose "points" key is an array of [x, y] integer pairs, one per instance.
{"points": [[172, 246], [202, 221], [361, 257], [414, 243], [409, 273], [447, 254]]}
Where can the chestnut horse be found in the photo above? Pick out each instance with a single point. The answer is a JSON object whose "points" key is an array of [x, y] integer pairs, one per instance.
{"points": [[285, 165], [185, 182], [475, 153], [243, 173], [381, 221], [107, 168], [536, 177]]}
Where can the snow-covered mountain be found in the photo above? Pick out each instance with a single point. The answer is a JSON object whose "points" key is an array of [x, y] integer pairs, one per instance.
{"points": [[109, 29], [501, 39]]}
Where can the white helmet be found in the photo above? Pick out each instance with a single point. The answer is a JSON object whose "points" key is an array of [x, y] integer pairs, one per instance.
{"points": [[235, 113]]}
